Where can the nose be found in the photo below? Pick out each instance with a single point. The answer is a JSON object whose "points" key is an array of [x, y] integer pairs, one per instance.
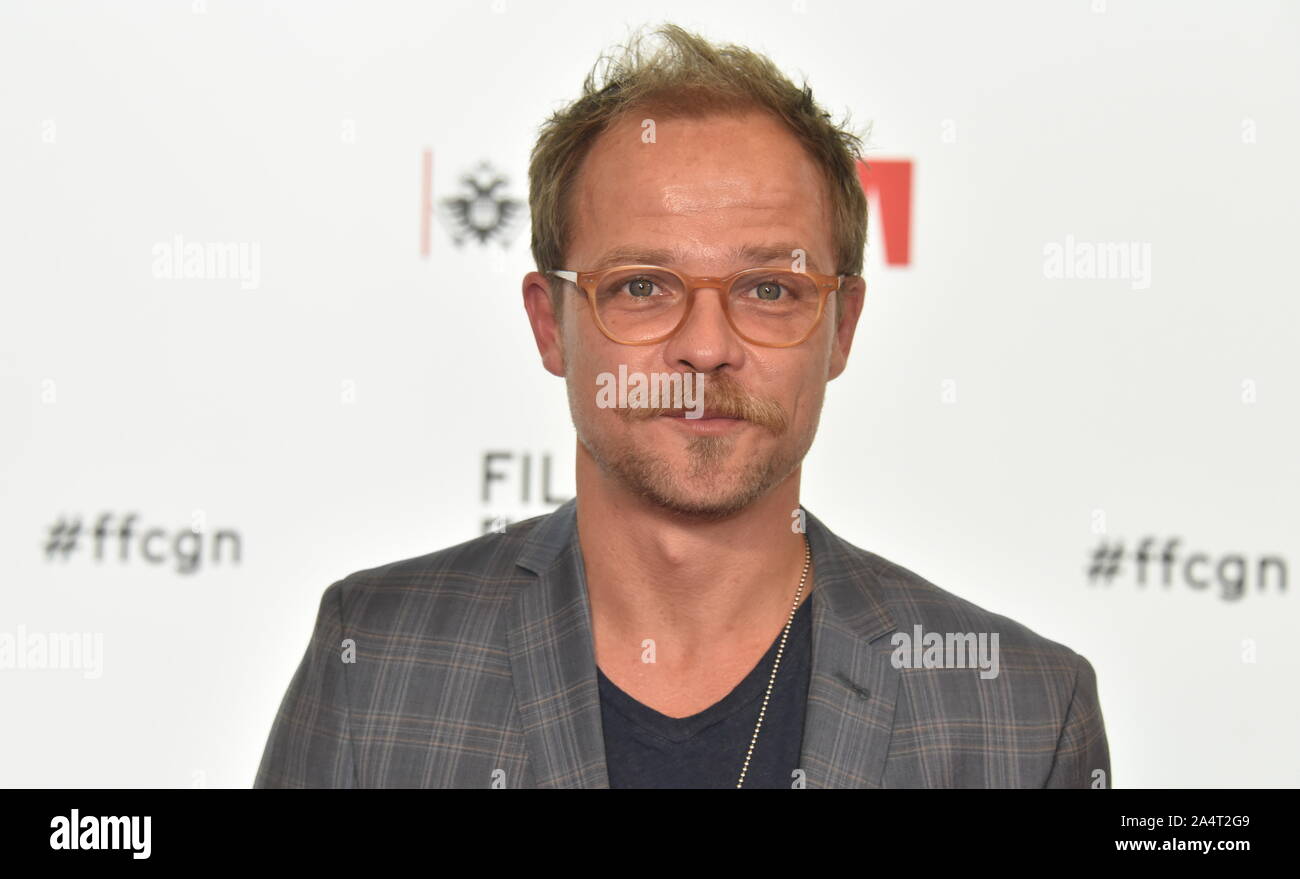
{"points": [[705, 341]]}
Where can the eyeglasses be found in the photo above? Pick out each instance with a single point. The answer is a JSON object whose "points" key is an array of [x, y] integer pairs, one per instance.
{"points": [[642, 305]]}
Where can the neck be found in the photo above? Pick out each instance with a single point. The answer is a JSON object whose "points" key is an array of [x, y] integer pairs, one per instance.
{"points": [[705, 586]]}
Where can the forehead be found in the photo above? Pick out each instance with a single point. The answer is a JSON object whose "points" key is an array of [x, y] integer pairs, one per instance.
{"points": [[709, 192]]}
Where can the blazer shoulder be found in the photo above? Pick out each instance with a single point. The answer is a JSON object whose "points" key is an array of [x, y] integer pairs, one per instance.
{"points": [[913, 601], [479, 568]]}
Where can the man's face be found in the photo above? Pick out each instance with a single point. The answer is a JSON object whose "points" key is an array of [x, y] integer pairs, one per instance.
{"points": [[703, 189]]}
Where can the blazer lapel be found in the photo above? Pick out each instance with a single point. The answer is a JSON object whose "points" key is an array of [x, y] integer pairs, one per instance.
{"points": [[553, 661], [853, 686], [852, 689]]}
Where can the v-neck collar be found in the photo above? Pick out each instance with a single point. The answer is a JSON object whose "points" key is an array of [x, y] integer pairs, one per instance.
{"points": [[743, 696]]}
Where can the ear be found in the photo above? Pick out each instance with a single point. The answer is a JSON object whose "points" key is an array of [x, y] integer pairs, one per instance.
{"points": [[546, 329], [853, 296]]}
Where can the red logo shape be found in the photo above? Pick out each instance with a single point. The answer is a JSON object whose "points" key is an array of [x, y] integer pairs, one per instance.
{"points": [[891, 182]]}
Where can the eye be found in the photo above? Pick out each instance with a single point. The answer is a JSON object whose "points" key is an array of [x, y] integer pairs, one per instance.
{"points": [[769, 291], [640, 288]]}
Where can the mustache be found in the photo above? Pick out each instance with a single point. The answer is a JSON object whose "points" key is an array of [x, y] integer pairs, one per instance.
{"points": [[724, 397]]}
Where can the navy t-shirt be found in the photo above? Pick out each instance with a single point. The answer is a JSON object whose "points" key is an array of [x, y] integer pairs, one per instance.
{"points": [[646, 749]]}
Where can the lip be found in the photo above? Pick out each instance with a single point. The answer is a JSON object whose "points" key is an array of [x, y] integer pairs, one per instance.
{"points": [[706, 423], [706, 415]]}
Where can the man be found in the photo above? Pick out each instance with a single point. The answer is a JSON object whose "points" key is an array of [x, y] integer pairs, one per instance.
{"points": [[683, 622]]}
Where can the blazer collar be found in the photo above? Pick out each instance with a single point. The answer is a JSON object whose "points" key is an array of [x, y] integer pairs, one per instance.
{"points": [[852, 688]]}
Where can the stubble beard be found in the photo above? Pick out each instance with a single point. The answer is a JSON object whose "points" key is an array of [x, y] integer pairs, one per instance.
{"points": [[711, 486]]}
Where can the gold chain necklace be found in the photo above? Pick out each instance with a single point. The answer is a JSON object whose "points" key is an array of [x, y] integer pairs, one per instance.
{"points": [[785, 633]]}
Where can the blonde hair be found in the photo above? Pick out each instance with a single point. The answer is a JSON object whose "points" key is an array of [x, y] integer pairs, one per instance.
{"points": [[687, 77]]}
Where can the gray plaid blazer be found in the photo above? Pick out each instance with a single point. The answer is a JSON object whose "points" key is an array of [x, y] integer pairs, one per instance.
{"points": [[473, 667]]}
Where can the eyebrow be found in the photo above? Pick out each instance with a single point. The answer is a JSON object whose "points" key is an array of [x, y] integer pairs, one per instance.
{"points": [[743, 256]]}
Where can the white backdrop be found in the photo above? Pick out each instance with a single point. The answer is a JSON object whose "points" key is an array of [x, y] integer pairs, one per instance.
{"points": [[321, 397]]}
